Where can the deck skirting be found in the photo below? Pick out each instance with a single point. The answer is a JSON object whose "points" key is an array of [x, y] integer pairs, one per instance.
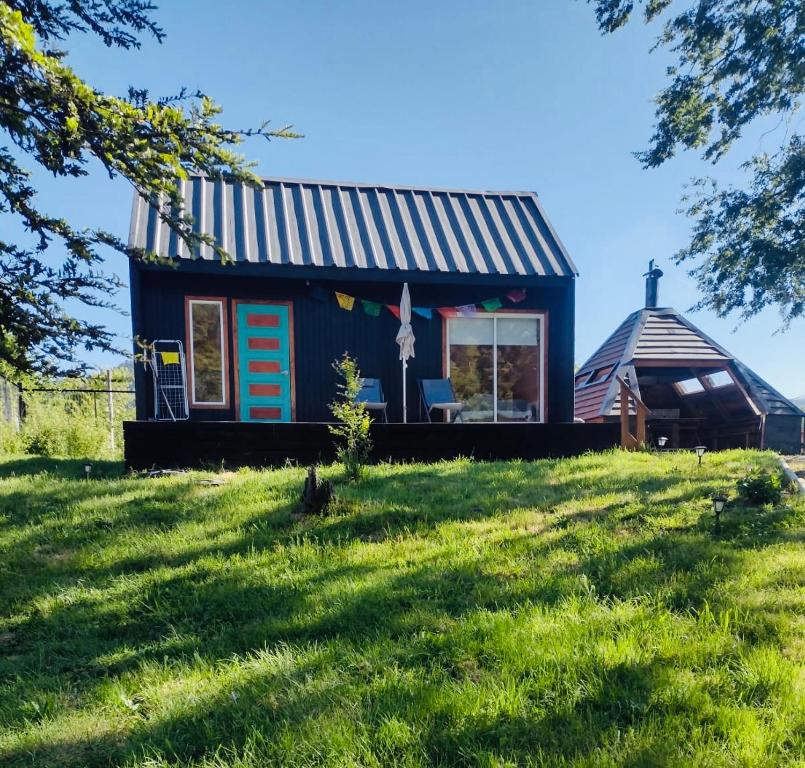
{"points": [[207, 444]]}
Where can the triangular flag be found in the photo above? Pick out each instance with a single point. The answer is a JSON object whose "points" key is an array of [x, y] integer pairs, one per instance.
{"points": [[467, 310], [318, 293], [423, 312], [395, 310], [490, 305], [446, 311], [345, 301], [371, 307], [516, 296]]}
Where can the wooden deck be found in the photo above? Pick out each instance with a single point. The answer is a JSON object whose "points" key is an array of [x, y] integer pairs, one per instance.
{"points": [[185, 444]]}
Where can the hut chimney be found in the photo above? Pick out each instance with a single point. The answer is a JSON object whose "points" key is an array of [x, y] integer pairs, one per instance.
{"points": [[652, 280]]}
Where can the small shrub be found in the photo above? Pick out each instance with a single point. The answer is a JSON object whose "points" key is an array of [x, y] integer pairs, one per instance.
{"points": [[69, 424], [759, 488], [10, 440], [351, 433], [50, 429]]}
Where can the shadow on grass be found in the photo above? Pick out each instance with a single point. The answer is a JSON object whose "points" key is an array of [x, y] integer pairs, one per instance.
{"points": [[265, 579], [64, 469]]}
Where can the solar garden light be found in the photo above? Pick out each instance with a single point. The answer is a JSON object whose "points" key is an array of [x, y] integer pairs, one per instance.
{"points": [[87, 470], [700, 449], [662, 441], [719, 500]]}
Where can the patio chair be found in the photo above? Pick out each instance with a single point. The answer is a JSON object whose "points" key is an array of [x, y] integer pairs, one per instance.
{"points": [[438, 394], [371, 395]]}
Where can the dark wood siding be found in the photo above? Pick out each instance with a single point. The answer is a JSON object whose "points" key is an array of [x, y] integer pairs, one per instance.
{"points": [[783, 433], [323, 332]]}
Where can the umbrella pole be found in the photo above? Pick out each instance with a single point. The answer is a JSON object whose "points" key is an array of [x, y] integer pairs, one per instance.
{"points": [[405, 404]]}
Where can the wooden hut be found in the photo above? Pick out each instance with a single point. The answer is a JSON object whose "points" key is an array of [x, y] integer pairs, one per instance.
{"points": [[696, 391]]}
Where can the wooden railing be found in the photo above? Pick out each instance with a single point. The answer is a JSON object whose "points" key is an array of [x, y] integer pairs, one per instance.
{"points": [[628, 440]]}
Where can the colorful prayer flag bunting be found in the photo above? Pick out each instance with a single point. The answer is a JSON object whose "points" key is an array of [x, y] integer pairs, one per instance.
{"points": [[345, 301], [371, 307], [490, 305]]}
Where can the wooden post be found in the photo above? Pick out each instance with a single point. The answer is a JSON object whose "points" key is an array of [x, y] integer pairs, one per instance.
{"points": [[640, 415], [12, 403], [628, 440], [111, 409], [626, 435]]}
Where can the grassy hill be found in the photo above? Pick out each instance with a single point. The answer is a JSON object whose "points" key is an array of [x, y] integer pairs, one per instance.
{"points": [[580, 612]]}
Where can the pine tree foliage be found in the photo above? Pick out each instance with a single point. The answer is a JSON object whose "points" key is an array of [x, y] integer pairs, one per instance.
{"points": [[52, 119]]}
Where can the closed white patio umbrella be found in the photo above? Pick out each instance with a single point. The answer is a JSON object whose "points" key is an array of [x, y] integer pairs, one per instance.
{"points": [[405, 338]]}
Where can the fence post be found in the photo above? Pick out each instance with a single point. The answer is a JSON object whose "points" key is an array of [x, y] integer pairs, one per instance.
{"points": [[11, 406], [111, 402]]}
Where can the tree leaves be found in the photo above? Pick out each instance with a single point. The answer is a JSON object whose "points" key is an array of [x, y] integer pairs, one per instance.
{"points": [[58, 121], [751, 242], [737, 61]]}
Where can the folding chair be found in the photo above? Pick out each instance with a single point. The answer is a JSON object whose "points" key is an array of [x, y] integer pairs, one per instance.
{"points": [[438, 393], [371, 395]]}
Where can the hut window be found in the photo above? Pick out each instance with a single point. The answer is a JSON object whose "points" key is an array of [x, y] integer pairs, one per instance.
{"points": [[496, 366], [582, 378], [689, 386], [601, 374], [719, 379], [207, 344], [595, 376]]}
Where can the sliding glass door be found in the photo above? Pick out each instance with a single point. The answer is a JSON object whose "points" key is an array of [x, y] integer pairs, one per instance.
{"points": [[496, 365]]}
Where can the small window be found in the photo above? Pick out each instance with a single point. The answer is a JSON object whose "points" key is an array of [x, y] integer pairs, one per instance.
{"points": [[600, 374], [207, 345], [689, 387], [719, 379], [582, 378]]}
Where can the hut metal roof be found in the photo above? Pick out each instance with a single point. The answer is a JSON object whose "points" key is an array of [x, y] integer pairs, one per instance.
{"points": [[362, 226]]}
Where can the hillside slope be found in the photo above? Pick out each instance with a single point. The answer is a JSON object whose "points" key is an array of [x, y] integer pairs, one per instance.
{"points": [[577, 612]]}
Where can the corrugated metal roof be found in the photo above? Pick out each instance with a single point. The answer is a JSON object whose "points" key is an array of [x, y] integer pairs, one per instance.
{"points": [[337, 224], [662, 335]]}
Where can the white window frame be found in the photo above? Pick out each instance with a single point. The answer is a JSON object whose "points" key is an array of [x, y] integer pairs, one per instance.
{"points": [[494, 316], [222, 308]]}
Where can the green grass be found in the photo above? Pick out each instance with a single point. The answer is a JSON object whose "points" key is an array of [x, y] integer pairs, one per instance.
{"points": [[580, 612]]}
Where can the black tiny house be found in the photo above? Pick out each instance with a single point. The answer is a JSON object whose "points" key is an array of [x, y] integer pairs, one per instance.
{"points": [[317, 269]]}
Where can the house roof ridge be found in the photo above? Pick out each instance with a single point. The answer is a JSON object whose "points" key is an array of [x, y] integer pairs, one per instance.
{"points": [[376, 185]]}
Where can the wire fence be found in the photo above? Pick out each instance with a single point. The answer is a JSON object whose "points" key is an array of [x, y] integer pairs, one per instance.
{"points": [[71, 417]]}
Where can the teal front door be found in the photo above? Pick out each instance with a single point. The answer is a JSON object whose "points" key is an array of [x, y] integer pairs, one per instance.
{"points": [[265, 373]]}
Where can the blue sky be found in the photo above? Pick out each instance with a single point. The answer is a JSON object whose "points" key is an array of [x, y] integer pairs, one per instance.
{"points": [[516, 95]]}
